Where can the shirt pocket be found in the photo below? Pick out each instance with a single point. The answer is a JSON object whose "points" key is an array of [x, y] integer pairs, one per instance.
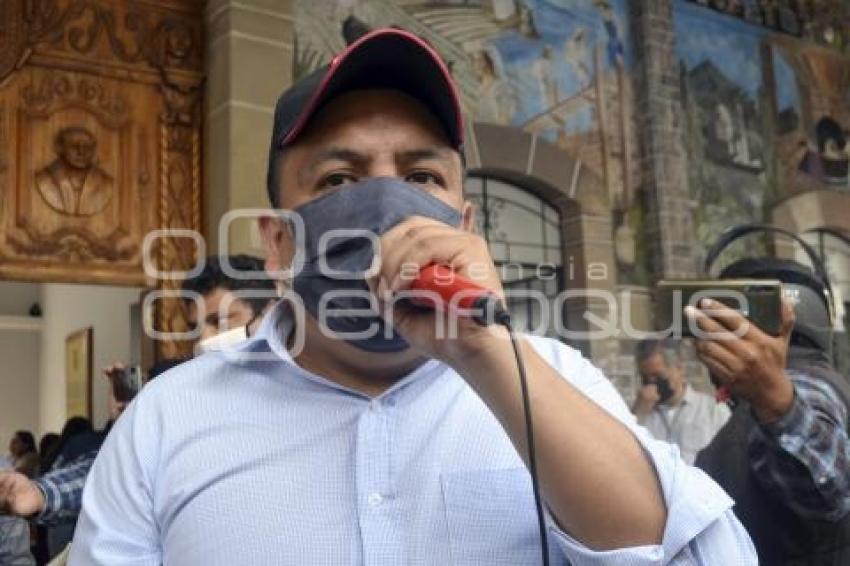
{"points": [[492, 519]]}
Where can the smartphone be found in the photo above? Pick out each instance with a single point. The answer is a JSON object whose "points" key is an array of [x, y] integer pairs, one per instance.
{"points": [[759, 300], [126, 383]]}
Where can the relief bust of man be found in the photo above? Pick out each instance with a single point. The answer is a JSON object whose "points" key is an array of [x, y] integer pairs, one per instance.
{"points": [[73, 184]]}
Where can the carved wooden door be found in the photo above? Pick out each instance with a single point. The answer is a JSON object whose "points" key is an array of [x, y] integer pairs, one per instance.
{"points": [[100, 143]]}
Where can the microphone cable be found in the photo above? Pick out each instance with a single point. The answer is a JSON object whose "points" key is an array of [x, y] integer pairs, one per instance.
{"points": [[503, 317]]}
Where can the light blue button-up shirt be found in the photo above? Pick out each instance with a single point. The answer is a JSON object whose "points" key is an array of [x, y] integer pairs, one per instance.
{"points": [[241, 457]]}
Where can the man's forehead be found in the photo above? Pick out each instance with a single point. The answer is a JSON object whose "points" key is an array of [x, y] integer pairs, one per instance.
{"points": [[654, 359]]}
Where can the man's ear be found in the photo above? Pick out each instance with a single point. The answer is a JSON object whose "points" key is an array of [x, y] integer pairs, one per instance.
{"points": [[468, 222], [277, 242]]}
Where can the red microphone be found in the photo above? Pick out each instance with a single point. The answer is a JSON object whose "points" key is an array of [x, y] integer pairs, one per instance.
{"points": [[481, 304]]}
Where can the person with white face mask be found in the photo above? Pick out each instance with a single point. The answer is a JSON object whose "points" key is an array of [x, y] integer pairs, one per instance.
{"points": [[223, 308]]}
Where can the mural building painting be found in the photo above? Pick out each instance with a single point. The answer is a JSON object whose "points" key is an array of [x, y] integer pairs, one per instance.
{"points": [[767, 116]]}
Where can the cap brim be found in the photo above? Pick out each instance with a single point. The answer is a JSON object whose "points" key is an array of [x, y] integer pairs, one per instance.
{"points": [[389, 59]]}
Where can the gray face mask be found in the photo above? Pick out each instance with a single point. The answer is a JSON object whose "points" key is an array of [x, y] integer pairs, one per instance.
{"points": [[336, 267]]}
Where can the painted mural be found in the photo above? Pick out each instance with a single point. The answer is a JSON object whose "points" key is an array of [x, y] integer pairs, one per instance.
{"points": [[557, 69], [767, 116]]}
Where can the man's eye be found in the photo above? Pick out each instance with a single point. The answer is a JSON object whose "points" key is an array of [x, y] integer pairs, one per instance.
{"points": [[337, 180], [424, 178]]}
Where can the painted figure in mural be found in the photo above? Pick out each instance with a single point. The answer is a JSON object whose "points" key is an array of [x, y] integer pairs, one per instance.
{"points": [[577, 54], [526, 22], [616, 50], [541, 70], [829, 160], [730, 141], [73, 184], [723, 128], [496, 102]]}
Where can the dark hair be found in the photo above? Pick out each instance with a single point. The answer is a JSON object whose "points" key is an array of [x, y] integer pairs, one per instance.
{"points": [[46, 446], [213, 277], [163, 366], [47, 442], [828, 129], [668, 349], [75, 426], [27, 439]]}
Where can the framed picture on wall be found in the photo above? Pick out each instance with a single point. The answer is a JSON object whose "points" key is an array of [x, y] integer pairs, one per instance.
{"points": [[78, 373]]}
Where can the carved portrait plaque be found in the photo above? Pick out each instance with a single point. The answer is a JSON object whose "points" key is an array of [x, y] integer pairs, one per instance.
{"points": [[100, 142], [74, 184]]}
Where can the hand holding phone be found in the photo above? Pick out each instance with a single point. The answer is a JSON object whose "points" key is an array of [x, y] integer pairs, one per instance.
{"points": [[745, 360], [759, 301]]}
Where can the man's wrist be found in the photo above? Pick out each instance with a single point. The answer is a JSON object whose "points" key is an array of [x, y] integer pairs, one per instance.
{"points": [[774, 403], [488, 359], [475, 345]]}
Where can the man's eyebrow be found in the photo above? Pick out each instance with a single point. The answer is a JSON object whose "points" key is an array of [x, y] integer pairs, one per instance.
{"points": [[334, 154], [422, 154]]}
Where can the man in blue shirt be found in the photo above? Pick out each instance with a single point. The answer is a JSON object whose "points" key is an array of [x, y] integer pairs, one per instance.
{"points": [[311, 444]]}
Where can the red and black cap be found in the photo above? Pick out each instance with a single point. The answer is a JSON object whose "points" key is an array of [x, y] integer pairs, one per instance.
{"points": [[387, 58]]}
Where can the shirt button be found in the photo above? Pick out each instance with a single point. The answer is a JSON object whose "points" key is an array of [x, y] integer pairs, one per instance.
{"points": [[389, 401], [375, 499]]}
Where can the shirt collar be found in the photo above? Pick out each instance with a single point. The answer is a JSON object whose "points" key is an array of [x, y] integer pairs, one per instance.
{"points": [[273, 334]]}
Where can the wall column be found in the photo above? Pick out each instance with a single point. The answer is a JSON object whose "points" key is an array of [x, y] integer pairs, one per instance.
{"points": [[660, 118], [249, 62]]}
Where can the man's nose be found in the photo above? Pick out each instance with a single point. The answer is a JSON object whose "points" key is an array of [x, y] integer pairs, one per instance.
{"points": [[384, 166]]}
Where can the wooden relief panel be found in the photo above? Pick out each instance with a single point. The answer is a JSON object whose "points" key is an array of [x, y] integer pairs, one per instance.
{"points": [[100, 141]]}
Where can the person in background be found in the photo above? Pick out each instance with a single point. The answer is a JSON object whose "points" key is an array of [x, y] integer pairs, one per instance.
{"points": [[784, 456], [54, 499], [668, 406], [76, 436], [46, 446], [229, 304], [77, 439], [24, 455]]}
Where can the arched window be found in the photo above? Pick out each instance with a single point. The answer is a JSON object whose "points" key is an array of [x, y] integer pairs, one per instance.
{"points": [[524, 235]]}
